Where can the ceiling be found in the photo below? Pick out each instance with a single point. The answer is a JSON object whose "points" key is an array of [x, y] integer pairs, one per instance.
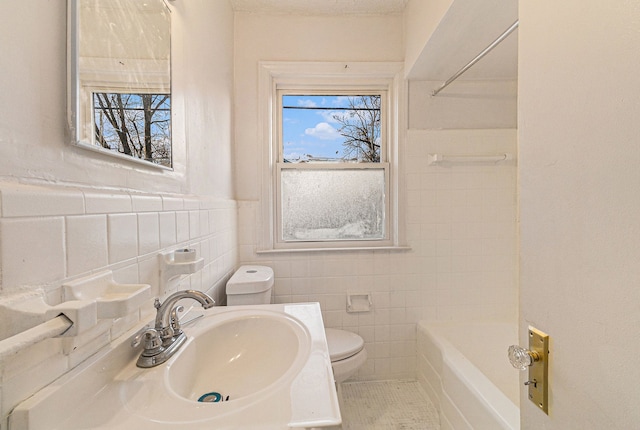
{"points": [[320, 7]]}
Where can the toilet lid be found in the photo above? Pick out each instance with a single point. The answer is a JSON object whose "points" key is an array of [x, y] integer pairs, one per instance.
{"points": [[343, 344]]}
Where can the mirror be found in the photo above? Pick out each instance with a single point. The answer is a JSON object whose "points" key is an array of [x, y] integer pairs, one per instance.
{"points": [[120, 78]]}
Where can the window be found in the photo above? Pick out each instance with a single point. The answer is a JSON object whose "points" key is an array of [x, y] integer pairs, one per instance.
{"points": [[331, 161], [332, 167]]}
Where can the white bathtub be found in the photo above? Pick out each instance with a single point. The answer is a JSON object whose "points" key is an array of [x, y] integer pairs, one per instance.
{"points": [[464, 369]]}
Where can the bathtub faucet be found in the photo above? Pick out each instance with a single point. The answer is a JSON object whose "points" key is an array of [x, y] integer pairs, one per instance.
{"points": [[166, 338]]}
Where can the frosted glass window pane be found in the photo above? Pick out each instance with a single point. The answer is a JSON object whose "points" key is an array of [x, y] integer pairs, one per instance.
{"points": [[345, 204]]}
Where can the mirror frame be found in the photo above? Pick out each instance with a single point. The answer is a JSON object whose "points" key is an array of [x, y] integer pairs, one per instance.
{"points": [[75, 116]]}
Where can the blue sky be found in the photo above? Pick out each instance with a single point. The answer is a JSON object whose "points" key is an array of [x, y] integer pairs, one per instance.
{"points": [[312, 132]]}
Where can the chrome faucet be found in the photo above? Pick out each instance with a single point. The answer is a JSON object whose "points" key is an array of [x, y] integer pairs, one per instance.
{"points": [[166, 338]]}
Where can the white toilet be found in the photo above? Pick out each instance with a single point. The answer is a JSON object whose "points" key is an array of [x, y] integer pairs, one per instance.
{"points": [[251, 285], [347, 353]]}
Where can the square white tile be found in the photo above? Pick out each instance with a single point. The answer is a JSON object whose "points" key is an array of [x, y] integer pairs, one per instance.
{"points": [[148, 233], [182, 226], [122, 236], [32, 250], [86, 243], [168, 231]]}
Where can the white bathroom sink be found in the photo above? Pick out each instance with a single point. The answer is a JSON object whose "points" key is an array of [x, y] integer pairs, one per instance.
{"points": [[271, 361], [242, 355]]}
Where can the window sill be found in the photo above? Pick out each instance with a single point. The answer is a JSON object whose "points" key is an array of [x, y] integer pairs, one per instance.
{"points": [[348, 249]]}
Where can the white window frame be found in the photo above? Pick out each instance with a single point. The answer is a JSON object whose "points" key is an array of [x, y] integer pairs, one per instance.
{"points": [[310, 78]]}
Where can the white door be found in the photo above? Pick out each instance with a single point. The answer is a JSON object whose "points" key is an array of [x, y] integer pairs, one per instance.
{"points": [[579, 190]]}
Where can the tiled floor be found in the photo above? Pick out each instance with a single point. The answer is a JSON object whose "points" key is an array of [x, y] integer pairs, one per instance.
{"points": [[386, 405]]}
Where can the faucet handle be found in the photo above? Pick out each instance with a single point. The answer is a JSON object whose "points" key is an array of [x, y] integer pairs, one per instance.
{"points": [[175, 319], [151, 339]]}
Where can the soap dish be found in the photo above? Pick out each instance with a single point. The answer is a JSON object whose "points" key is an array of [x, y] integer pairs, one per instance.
{"points": [[113, 300], [179, 262]]}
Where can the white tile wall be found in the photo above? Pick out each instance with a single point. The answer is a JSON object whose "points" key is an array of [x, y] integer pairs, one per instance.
{"points": [[461, 226], [167, 229], [86, 240], [32, 251], [182, 226], [146, 203], [148, 233], [123, 236], [49, 235], [29, 201], [104, 203]]}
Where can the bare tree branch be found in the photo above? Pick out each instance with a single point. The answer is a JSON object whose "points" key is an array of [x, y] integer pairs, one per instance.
{"points": [[136, 124], [361, 129]]}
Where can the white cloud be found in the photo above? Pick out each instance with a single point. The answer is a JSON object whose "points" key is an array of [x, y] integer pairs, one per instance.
{"points": [[307, 103], [323, 131], [327, 115], [342, 101]]}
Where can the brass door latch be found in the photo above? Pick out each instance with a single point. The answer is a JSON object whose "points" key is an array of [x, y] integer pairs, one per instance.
{"points": [[536, 360]]}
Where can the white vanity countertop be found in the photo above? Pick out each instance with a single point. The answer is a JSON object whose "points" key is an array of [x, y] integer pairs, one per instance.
{"points": [[108, 391]]}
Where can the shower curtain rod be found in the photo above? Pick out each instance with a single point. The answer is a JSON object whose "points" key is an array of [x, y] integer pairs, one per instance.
{"points": [[477, 58]]}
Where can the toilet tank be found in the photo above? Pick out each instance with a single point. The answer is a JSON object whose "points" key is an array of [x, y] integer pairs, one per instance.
{"points": [[250, 285]]}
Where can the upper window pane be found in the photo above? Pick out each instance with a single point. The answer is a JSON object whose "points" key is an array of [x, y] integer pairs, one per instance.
{"points": [[331, 128]]}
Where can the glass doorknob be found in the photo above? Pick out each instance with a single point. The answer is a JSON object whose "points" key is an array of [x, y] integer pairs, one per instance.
{"points": [[522, 358]]}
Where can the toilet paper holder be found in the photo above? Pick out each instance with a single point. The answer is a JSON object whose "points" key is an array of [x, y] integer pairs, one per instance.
{"points": [[359, 302]]}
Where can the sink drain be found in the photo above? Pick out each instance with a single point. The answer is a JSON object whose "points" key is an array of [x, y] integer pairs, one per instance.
{"points": [[212, 397]]}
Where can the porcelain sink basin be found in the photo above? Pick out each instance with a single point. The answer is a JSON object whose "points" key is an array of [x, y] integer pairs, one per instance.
{"points": [[272, 362], [241, 356]]}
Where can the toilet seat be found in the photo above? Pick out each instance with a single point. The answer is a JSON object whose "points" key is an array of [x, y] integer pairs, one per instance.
{"points": [[343, 344], [347, 353]]}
